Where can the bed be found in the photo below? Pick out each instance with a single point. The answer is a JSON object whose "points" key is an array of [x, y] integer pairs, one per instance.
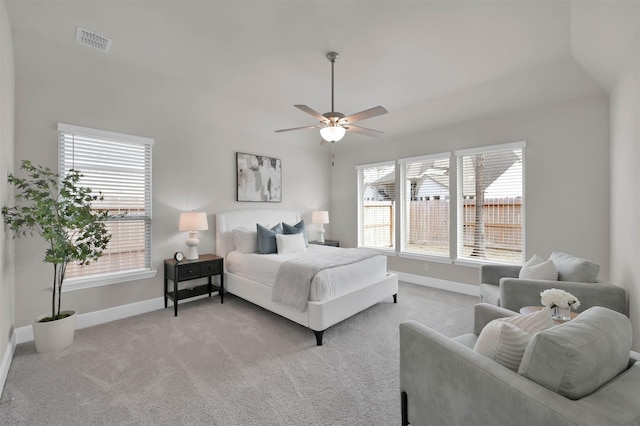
{"points": [[343, 293]]}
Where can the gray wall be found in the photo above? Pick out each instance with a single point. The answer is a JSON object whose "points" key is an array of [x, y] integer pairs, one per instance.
{"points": [[625, 183], [196, 137], [7, 107], [567, 179]]}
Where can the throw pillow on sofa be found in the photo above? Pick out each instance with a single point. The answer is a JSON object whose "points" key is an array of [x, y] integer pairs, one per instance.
{"points": [[537, 268], [504, 340], [571, 268], [580, 356]]}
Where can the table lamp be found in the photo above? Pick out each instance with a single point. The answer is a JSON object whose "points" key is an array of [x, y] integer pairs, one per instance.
{"points": [[320, 217], [192, 222]]}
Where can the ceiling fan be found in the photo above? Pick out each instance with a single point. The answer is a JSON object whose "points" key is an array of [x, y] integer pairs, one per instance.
{"points": [[333, 125]]}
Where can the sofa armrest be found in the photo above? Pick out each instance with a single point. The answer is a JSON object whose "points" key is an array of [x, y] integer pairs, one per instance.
{"points": [[491, 274], [449, 384], [484, 313], [516, 293]]}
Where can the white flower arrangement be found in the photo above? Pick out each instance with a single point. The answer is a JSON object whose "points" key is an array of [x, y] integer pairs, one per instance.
{"points": [[554, 297]]}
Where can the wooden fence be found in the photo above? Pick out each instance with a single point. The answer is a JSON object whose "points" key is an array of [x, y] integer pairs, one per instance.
{"points": [[429, 223]]}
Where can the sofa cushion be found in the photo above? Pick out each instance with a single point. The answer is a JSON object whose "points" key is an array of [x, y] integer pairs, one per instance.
{"points": [[571, 268], [578, 357], [504, 340], [537, 268]]}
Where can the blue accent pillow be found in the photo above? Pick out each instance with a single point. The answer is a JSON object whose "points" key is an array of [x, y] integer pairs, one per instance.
{"points": [[298, 228], [267, 238]]}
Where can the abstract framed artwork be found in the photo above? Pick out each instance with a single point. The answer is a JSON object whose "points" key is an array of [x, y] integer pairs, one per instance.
{"points": [[259, 178]]}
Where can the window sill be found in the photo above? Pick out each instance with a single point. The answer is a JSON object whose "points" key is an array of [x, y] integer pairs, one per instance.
{"points": [[478, 263], [386, 252], [425, 257], [107, 279]]}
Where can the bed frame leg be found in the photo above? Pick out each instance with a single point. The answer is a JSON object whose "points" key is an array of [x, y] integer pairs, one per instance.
{"points": [[319, 337], [395, 298], [403, 409]]}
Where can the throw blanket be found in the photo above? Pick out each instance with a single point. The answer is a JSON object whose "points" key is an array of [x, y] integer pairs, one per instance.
{"points": [[293, 281]]}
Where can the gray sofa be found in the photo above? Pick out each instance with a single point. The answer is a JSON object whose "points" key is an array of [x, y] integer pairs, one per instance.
{"points": [[500, 285], [578, 373]]}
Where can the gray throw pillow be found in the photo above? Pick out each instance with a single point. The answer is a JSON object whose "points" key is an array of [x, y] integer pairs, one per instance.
{"points": [[576, 358], [571, 268], [267, 238], [298, 228]]}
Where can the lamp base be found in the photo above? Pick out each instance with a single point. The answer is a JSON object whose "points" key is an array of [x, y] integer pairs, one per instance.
{"points": [[192, 243], [321, 235]]}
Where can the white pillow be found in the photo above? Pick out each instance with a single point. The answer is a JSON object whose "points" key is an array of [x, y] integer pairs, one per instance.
{"points": [[537, 268], [504, 340], [246, 241], [290, 243]]}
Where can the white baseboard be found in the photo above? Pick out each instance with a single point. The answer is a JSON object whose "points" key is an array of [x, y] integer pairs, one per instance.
{"points": [[455, 287], [6, 360], [25, 334]]}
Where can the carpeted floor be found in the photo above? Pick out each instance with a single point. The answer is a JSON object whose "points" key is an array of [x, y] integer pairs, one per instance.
{"points": [[231, 364]]}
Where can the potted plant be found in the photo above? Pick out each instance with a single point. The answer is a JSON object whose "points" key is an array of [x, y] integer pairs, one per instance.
{"points": [[59, 210]]}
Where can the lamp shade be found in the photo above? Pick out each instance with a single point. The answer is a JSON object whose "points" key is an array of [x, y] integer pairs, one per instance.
{"points": [[332, 133], [193, 221], [320, 216]]}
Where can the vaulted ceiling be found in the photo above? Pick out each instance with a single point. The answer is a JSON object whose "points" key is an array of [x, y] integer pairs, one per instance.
{"points": [[428, 62]]}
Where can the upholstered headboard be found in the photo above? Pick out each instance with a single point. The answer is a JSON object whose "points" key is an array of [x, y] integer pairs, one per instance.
{"points": [[227, 221]]}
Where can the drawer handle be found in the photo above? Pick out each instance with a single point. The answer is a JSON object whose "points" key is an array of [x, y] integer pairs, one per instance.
{"points": [[189, 271]]}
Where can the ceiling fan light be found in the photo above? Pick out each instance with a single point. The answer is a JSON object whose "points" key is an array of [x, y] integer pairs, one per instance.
{"points": [[332, 133]]}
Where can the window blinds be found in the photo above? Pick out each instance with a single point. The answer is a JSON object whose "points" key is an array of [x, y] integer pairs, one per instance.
{"points": [[377, 196], [425, 205], [118, 166], [491, 203]]}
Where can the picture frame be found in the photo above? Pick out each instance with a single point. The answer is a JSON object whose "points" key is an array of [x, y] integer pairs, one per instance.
{"points": [[258, 178]]}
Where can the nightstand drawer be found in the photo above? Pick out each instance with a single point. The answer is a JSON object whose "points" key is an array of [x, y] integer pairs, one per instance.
{"points": [[188, 271], [208, 268]]}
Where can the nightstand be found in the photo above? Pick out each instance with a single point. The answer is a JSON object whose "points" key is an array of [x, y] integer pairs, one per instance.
{"points": [[332, 243], [206, 266]]}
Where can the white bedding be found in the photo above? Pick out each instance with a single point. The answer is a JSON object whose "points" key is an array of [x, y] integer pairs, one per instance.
{"points": [[327, 284]]}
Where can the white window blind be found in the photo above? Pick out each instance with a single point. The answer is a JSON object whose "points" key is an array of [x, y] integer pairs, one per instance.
{"points": [[376, 205], [491, 203], [118, 166], [425, 205]]}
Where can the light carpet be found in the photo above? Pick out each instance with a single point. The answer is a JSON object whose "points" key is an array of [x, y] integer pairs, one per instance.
{"points": [[231, 364]]}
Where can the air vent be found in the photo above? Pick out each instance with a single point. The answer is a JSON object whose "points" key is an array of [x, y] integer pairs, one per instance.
{"points": [[92, 39]]}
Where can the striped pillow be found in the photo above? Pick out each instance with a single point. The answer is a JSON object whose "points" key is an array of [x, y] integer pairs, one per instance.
{"points": [[504, 340], [537, 269]]}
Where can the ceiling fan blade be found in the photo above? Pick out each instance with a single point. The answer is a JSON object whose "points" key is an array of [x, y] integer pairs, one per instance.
{"points": [[297, 128], [311, 112], [363, 115], [363, 130]]}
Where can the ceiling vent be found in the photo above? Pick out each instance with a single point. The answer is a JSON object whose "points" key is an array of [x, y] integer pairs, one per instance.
{"points": [[92, 39]]}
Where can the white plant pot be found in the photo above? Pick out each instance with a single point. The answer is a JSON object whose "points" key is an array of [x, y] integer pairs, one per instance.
{"points": [[56, 335]]}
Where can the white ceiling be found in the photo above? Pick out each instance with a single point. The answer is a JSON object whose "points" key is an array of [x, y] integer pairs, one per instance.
{"points": [[429, 63]]}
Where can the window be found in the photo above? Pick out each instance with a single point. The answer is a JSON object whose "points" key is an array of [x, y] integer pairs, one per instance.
{"points": [[425, 205], [118, 166], [376, 205], [491, 203]]}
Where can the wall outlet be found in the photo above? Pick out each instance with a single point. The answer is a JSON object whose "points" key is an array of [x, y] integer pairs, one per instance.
{"points": [[426, 266]]}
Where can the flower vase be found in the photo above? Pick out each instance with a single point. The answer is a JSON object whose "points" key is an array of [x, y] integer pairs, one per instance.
{"points": [[560, 313]]}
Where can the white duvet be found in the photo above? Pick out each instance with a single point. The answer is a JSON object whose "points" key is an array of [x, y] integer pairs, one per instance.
{"points": [[327, 284]]}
